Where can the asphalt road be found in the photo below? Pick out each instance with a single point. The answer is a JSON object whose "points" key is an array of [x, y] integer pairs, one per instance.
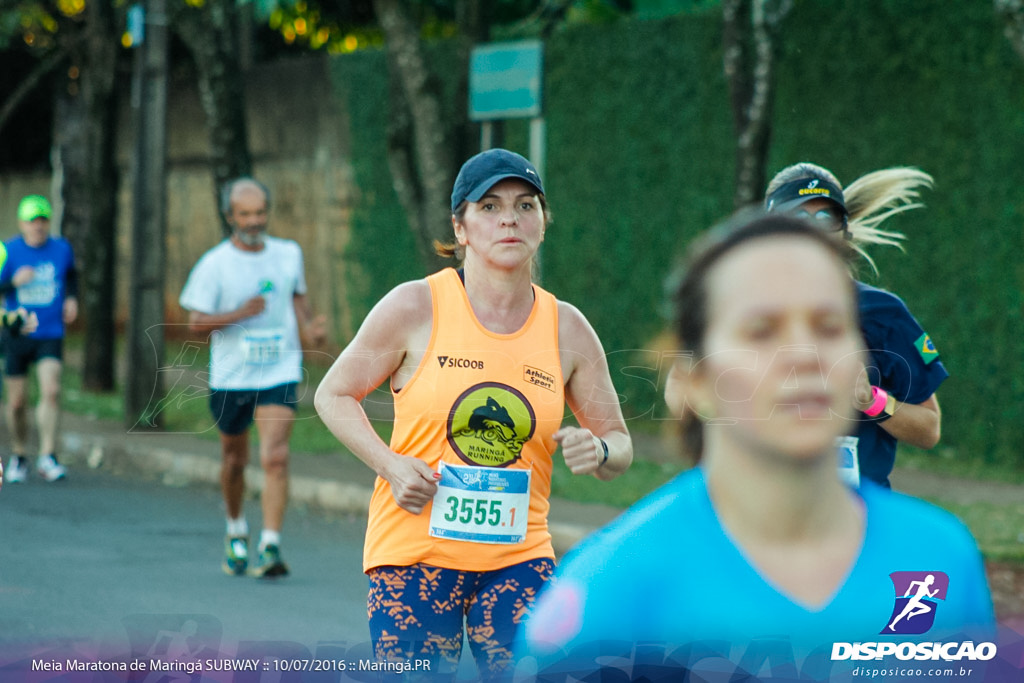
{"points": [[104, 568]]}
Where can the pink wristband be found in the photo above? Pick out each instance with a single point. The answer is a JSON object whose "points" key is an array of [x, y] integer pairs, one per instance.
{"points": [[879, 398]]}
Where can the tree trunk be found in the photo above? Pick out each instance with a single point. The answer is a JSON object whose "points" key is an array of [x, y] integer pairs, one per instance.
{"points": [[748, 35], [473, 18], [211, 34], [144, 387], [84, 141], [420, 138]]}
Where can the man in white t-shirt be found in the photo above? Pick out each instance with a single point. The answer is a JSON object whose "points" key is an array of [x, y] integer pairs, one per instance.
{"points": [[249, 293]]}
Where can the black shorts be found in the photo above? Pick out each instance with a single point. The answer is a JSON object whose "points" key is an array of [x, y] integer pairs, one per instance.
{"points": [[21, 352], [235, 409]]}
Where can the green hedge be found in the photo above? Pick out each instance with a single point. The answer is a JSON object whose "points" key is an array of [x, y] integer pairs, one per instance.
{"points": [[382, 249], [884, 84], [640, 159]]}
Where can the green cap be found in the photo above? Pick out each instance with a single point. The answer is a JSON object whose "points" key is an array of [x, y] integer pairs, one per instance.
{"points": [[32, 207]]}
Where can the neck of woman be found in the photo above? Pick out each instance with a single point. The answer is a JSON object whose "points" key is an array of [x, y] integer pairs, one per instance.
{"points": [[794, 522], [501, 299], [775, 497]]}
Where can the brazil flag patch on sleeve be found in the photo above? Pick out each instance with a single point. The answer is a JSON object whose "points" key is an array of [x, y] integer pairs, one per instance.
{"points": [[926, 348]]}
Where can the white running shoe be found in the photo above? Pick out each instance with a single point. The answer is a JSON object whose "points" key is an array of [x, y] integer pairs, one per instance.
{"points": [[51, 470], [17, 470]]}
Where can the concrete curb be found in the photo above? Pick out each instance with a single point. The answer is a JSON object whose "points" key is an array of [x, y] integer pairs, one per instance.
{"points": [[127, 455]]}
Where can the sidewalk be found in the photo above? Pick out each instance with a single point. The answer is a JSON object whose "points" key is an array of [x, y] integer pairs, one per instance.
{"points": [[342, 484], [339, 484]]}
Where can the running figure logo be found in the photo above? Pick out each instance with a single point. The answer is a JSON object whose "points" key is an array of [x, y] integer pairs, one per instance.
{"points": [[917, 596]]}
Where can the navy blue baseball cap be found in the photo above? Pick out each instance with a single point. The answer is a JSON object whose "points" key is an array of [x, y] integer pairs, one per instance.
{"points": [[481, 172], [794, 193]]}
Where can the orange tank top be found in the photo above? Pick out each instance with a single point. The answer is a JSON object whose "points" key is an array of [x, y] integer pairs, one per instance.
{"points": [[481, 408]]}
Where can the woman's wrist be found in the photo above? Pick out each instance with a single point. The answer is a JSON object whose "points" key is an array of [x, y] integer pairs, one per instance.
{"points": [[882, 405], [879, 397]]}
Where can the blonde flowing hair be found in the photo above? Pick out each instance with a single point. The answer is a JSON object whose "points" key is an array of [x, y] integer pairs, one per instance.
{"points": [[870, 200]]}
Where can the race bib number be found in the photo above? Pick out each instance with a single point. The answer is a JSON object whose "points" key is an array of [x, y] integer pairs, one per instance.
{"points": [[849, 468], [41, 294], [481, 504], [42, 290], [263, 348]]}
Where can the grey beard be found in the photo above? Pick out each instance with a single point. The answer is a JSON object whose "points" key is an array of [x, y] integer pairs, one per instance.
{"points": [[251, 239]]}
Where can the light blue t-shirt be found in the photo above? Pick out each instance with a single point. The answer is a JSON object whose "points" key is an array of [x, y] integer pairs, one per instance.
{"points": [[666, 581]]}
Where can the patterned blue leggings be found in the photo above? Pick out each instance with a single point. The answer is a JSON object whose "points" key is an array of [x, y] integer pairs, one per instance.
{"points": [[418, 613]]}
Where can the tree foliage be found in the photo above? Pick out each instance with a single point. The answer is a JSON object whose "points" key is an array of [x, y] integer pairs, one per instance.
{"points": [[47, 31]]}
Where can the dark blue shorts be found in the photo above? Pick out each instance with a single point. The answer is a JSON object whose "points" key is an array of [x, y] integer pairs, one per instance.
{"points": [[21, 352], [418, 613], [234, 410]]}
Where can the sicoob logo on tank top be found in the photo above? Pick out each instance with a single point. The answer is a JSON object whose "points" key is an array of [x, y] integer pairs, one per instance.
{"points": [[489, 423]]}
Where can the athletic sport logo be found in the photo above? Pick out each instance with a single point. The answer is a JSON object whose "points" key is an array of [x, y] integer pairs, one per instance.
{"points": [[926, 348], [489, 424], [917, 598], [539, 378]]}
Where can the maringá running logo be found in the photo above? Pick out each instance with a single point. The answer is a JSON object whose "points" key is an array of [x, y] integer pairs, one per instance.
{"points": [[489, 424], [917, 598]]}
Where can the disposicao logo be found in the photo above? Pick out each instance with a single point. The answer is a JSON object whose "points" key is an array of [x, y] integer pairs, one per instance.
{"points": [[917, 597]]}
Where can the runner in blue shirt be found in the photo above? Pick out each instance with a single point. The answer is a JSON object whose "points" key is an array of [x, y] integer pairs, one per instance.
{"points": [[761, 563], [630, 584], [39, 276], [904, 371]]}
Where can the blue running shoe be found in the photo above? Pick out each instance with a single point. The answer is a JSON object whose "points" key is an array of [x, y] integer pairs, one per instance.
{"points": [[236, 555], [270, 564]]}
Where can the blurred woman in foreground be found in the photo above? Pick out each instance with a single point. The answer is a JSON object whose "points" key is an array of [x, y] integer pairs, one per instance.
{"points": [[763, 543]]}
